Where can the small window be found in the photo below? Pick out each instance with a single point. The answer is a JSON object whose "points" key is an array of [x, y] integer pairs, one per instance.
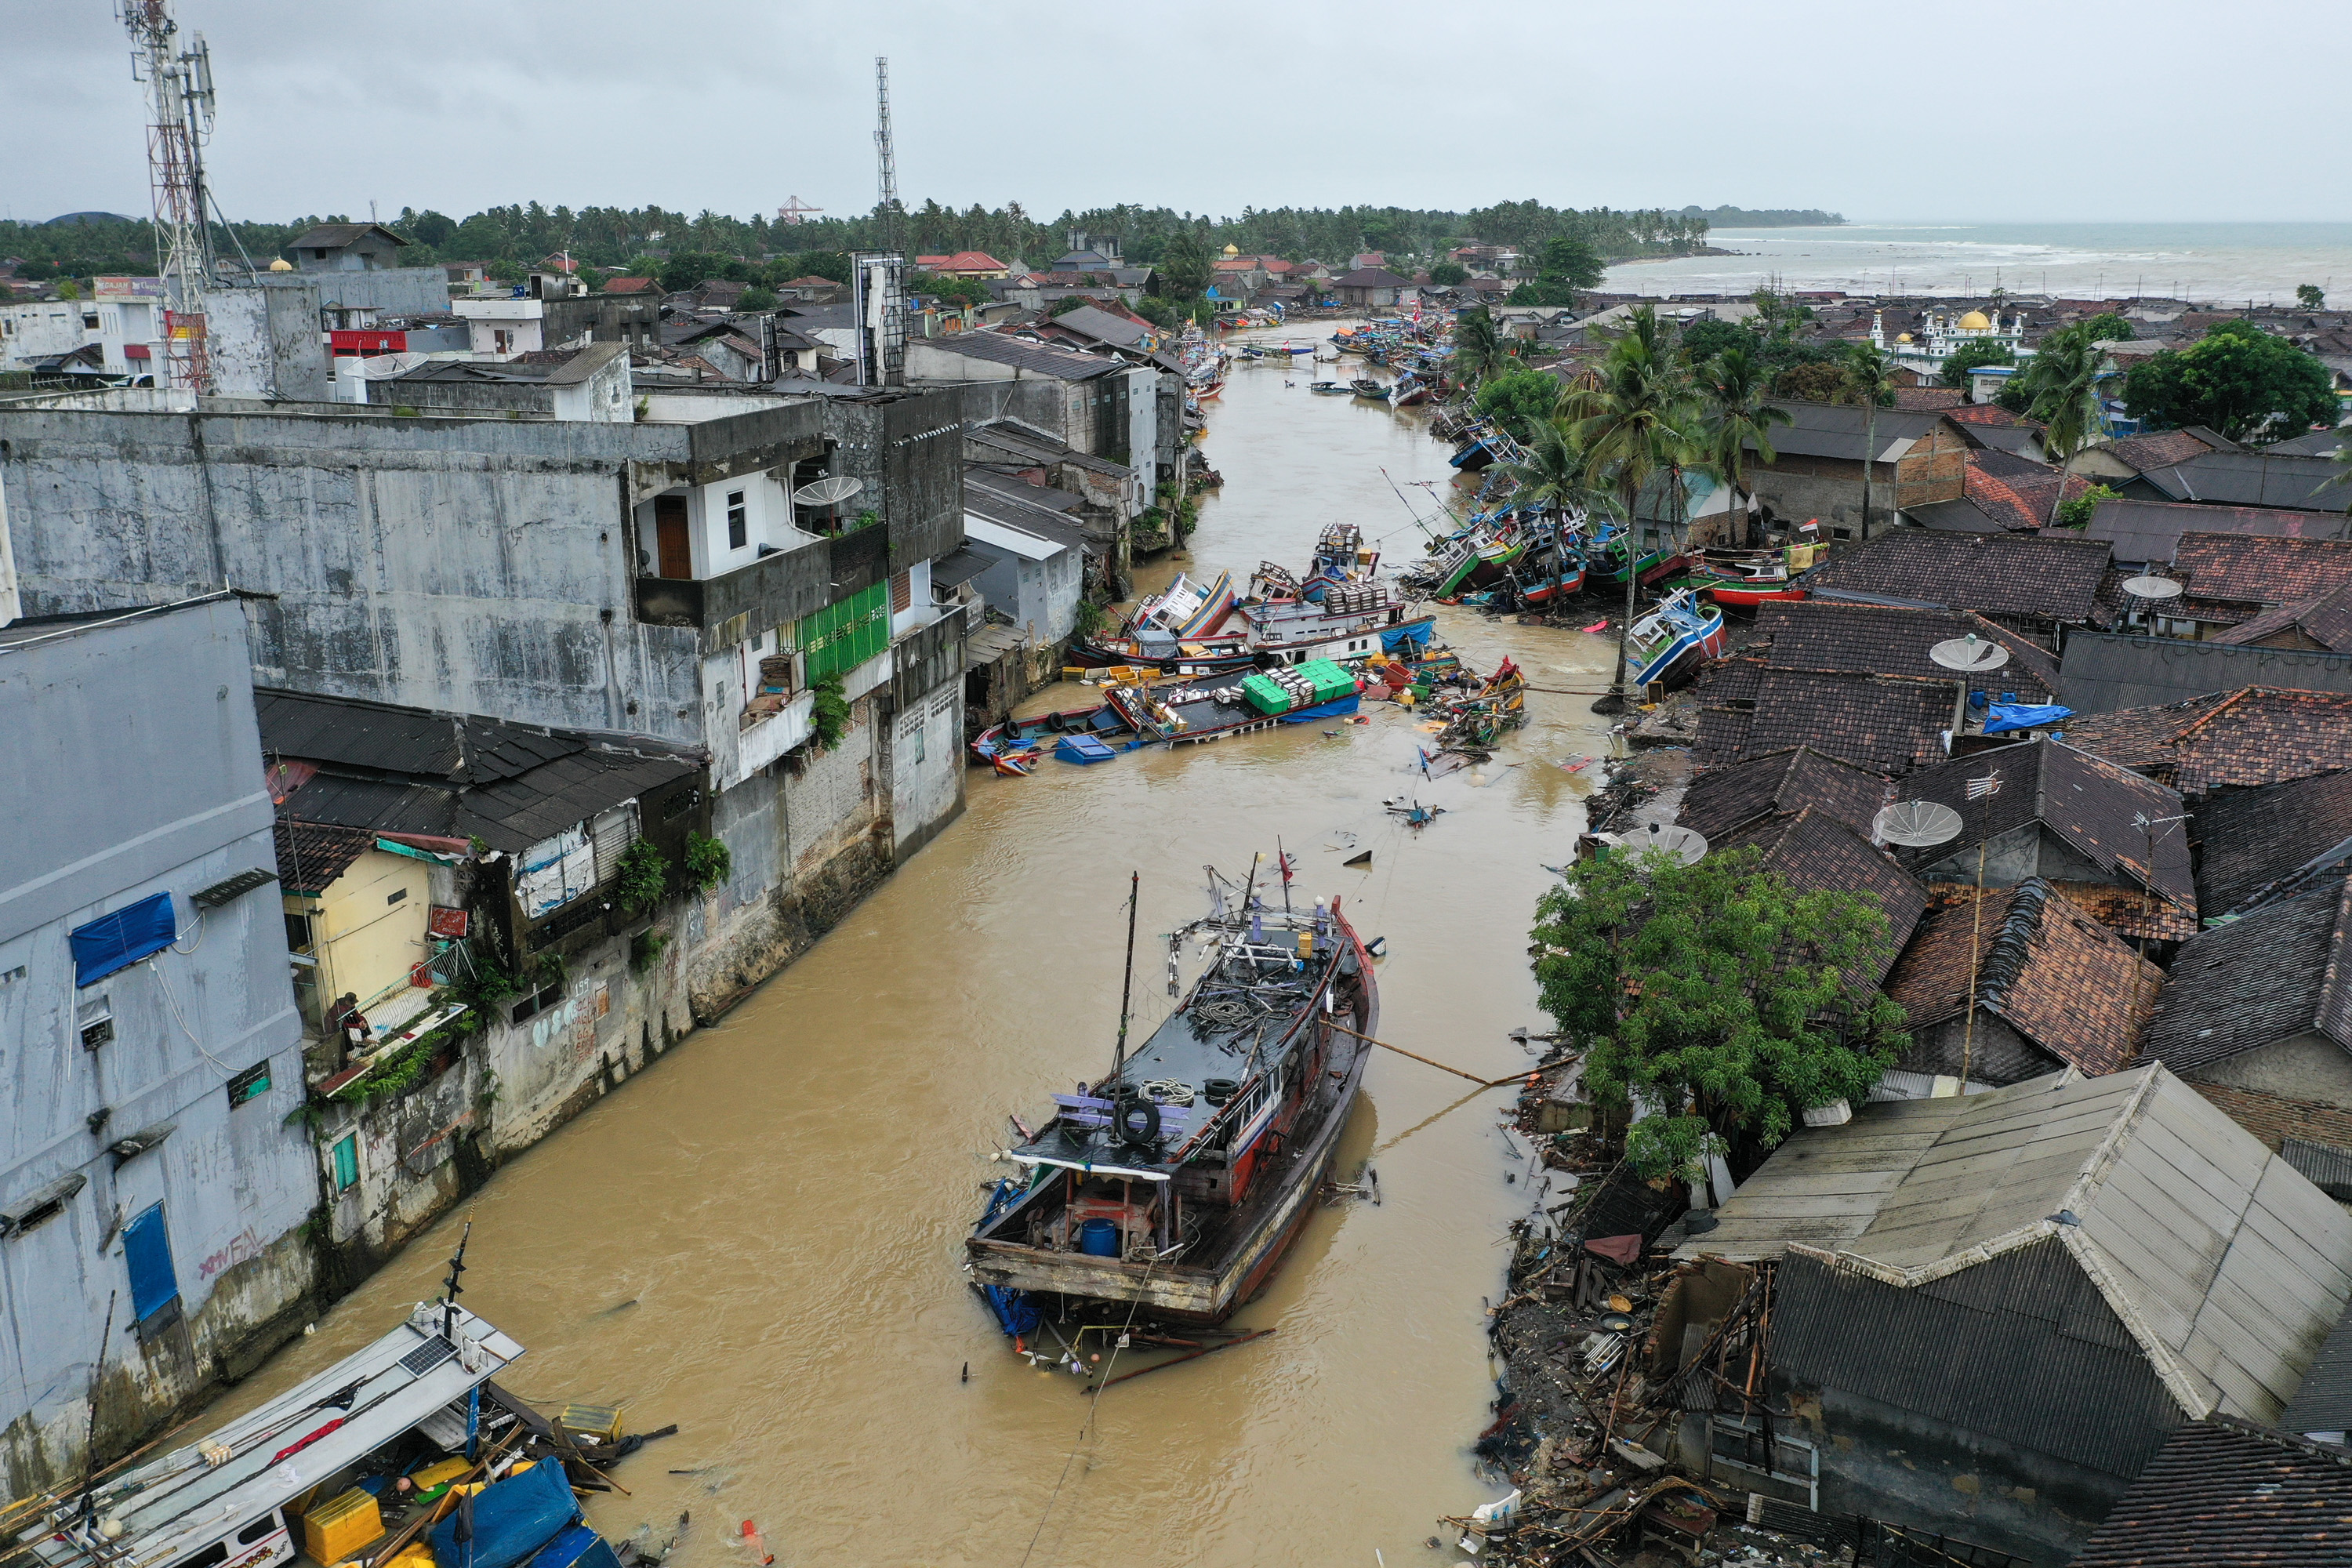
{"points": [[210, 1557], [346, 1155], [250, 1084], [738, 521], [265, 1525], [96, 1022], [298, 932], [537, 1002], [398, 895]]}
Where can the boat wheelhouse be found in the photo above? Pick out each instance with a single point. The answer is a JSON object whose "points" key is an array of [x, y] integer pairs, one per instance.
{"points": [[1673, 639]]}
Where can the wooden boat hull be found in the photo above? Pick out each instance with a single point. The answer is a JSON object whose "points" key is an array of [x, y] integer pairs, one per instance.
{"points": [[1084, 655], [1725, 593], [1270, 1223]]}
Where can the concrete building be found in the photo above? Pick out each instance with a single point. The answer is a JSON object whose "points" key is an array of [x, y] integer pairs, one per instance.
{"points": [[149, 1043], [346, 247]]}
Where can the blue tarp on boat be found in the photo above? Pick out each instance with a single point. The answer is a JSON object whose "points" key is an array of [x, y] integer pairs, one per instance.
{"points": [[511, 1521], [2003, 717], [1402, 639], [1082, 749], [578, 1547]]}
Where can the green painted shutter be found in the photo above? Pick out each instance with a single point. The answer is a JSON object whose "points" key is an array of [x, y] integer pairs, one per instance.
{"points": [[347, 1162], [841, 636]]}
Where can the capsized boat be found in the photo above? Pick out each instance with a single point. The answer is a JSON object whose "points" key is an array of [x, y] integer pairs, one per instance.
{"points": [[1671, 638], [1365, 387], [346, 1460], [1175, 1184], [1331, 388]]}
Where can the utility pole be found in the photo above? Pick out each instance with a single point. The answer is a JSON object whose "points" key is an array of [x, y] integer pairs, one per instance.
{"points": [[179, 83]]}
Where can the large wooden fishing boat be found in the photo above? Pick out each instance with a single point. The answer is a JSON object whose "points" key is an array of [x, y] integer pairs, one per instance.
{"points": [[1176, 1183]]}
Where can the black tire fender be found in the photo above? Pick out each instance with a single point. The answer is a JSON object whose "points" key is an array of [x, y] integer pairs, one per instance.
{"points": [[1138, 1121]]}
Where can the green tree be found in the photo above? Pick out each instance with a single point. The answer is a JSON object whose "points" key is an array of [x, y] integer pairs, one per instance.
{"points": [[2237, 380], [689, 269], [1518, 401], [1569, 260], [2076, 513], [2106, 327], [1632, 419], [1553, 478], [2061, 386], [1449, 274], [1719, 997], [1737, 420], [1969, 356], [1481, 348], [2310, 296], [755, 297], [1703, 340], [1185, 267], [1867, 378], [832, 264], [1156, 312], [1811, 381]]}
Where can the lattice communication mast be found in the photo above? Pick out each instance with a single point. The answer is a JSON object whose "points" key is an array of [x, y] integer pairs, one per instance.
{"points": [[886, 160], [179, 83]]}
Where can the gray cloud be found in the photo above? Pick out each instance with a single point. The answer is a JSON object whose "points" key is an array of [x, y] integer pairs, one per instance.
{"points": [[2047, 109]]}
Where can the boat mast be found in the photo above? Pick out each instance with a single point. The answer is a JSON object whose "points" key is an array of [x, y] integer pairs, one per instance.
{"points": [[1127, 985], [457, 1266]]}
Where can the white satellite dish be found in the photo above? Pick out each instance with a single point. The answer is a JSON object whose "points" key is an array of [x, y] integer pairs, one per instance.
{"points": [[2151, 587], [1970, 654], [1916, 824], [828, 491], [1687, 845]]}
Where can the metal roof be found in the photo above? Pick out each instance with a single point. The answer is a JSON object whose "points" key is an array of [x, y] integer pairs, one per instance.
{"points": [[2257, 479], [1064, 364], [2224, 1265], [2143, 531], [2102, 672]]}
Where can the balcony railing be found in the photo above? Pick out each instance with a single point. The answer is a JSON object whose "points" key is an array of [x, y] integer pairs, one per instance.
{"points": [[768, 592]]}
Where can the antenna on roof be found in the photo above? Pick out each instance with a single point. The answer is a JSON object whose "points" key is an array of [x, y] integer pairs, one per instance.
{"points": [[1970, 654], [1916, 824], [886, 159], [1687, 846]]}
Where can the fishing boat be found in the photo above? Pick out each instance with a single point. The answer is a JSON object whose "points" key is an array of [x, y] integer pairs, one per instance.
{"points": [[374, 1451], [1365, 387], [1486, 564], [1550, 573], [1607, 562], [1010, 747], [1331, 388], [1174, 1185], [1183, 712], [1743, 577], [1672, 638], [1410, 393]]}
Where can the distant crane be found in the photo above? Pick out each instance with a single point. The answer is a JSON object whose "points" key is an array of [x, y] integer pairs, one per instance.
{"points": [[794, 209], [179, 83], [886, 160]]}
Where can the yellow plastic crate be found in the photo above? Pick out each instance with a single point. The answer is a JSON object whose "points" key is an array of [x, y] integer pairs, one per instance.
{"points": [[426, 1478], [338, 1527], [598, 1421]]}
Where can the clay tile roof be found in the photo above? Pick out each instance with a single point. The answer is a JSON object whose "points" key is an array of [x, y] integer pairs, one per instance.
{"points": [[2093, 807], [1893, 725], [1813, 852], [632, 285], [2056, 976], [1940, 397], [2228, 1494], [2326, 620], [2016, 492], [2249, 839], [1981, 414], [2254, 735], [2256, 569], [1722, 800], [1885, 639], [311, 855], [2161, 449], [1994, 574], [1731, 680], [2264, 977]]}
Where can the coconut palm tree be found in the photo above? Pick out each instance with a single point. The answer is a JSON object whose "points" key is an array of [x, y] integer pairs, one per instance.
{"points": [[1633, 418], [1737, 420], [1553, 480], [1481, 348], [2061, 385], [1868, 379]]}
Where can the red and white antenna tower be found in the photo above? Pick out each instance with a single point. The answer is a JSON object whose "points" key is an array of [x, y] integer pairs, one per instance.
{"points": [[179, 83]]}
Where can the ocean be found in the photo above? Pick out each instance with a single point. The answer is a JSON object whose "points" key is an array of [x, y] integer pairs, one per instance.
{"points": [[2219, 263]]}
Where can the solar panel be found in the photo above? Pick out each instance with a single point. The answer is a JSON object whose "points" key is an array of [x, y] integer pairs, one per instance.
{"points": [[427, 1356]]}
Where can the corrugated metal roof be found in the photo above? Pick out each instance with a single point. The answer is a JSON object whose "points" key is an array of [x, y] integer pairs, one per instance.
{"points": [[2225, 1264], [2105, 671], [1065, 364], [2323, 1165]]}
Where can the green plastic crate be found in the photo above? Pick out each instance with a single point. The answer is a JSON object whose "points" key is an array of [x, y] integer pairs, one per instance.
{"points": [[1331, 681], [1265, 695]]}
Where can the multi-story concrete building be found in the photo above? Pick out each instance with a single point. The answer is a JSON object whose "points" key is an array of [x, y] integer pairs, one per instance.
{"points": [[150, 1049]]}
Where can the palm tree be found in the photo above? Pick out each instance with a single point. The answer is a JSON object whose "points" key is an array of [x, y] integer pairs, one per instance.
{"points": [[1553, 478], [1867, 379], [2062, 383], [1480, 347], [1632, 419], [1739, 418]]}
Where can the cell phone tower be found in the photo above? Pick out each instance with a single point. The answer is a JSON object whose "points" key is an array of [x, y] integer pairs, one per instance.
{"points": [[886, 159], [179, 83]]}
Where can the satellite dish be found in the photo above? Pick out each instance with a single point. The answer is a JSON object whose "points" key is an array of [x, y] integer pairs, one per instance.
{"points": [[1970, 654], [1687, 845], [1916, 824], [2151, 587], [829, 491]]}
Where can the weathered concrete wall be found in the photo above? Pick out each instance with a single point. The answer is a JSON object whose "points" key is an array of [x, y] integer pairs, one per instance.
{"points": [[134, 768], [926, 770], [2310, 1068]]}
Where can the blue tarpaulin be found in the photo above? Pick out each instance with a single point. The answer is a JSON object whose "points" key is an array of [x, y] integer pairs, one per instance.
{"points": [[122, 939], [2003, 717], [578, 1547], [512, 1520], [1415, 636]]}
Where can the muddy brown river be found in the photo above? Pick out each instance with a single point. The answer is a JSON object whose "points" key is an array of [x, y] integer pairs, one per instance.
{"points": [[786, 1198]]}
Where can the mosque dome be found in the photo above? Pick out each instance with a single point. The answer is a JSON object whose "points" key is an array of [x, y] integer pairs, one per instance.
{"points": [[1233, 250], [281, 264], [1975, 321], [1902, 337]]}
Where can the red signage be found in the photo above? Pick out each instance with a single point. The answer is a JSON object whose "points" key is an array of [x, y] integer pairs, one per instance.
{"points": [[368, 343]]}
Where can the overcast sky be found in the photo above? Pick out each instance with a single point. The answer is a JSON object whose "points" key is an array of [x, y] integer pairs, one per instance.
{"points": [[1895, 110]]}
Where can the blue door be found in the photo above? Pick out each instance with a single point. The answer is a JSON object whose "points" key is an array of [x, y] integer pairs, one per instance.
{"points": [[147, 1248]]}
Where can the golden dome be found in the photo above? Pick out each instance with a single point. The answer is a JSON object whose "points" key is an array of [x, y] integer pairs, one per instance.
{"points": [[1233, 250], [1975, 321], [281, 264], [1902, 337]]}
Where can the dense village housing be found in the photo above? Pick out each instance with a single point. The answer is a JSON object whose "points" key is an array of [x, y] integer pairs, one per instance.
{"points": [[444, 685]]}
